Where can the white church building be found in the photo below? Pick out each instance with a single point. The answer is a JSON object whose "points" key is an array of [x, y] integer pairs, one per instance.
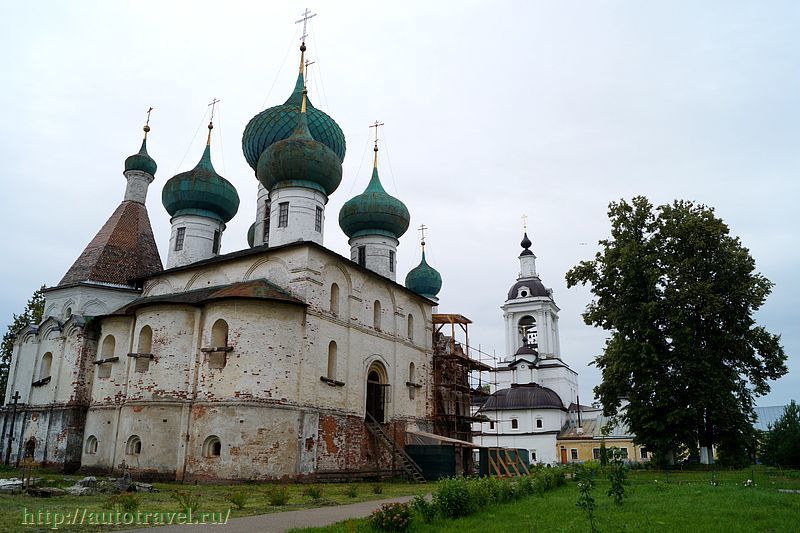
{"points": [[533, 389]]}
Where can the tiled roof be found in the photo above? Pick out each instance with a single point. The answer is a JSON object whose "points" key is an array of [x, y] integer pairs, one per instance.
{"points": [[124, 249], [259, 289]]}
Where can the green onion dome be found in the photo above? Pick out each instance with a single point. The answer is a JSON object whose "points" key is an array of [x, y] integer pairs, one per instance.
{"points": [[424, 279], [251, 235], [300, 161], [278, 122], [201, 191], [374, 212], [141, 161]]}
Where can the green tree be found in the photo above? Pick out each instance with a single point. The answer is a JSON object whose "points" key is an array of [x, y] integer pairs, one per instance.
{"points": [[32, 314], [677, 293], [782, 441]]}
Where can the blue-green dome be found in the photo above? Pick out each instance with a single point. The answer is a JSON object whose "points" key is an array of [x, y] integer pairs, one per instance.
{"points": [[424, 279], [374, 212], [300, 161], [251, 235], [278, 122], [201, 191], [141, 161]]}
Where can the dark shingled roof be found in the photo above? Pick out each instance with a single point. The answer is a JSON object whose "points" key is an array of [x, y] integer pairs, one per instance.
{"points": [[528, 396], [534, 285], [124, 249], [259, 289]]}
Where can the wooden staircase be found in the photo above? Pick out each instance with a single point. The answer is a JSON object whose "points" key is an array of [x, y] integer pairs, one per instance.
{"points": [[412, 469]]}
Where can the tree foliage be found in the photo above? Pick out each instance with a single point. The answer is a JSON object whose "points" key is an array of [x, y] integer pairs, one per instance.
{"points": [[677, 293], [782, 441], [32, 314]]}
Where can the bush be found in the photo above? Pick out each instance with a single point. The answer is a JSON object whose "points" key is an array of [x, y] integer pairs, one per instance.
{"points": [[238, 498], [617, 471], [782, 441], [585, 478], [189, 501], [391, 517], [425, 509], [453, 498], [377, 488], [314, 492], [125, 502], [278, 496], [351, 491]]}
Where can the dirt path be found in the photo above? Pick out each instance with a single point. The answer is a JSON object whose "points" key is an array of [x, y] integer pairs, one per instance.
{"points": [[279, 522]]}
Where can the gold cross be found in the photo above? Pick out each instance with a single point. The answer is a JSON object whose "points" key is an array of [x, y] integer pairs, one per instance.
{"points": [[422, 229], [306, 15], [147, 123], [525, 223], [376, 125], [305, 74]]}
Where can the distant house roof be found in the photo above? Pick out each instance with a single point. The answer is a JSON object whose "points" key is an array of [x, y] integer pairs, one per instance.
{"points": [[766, 416], [259, 289], [123, 250]]}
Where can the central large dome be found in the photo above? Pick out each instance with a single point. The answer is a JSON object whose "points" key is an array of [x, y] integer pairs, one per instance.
{"points": [[277, 123]]}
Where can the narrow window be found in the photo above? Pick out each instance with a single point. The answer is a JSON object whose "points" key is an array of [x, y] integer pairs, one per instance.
{"points": [[574, 454], [596, 454], [91, 445], [533, 456], [376, 315], [362, 256], [643, 452], [145, 349], [44, 368], [215, 246], [412, 378], [514, 423], [218, 357], [106, 352], [283, 214], [410, 327], [212, 447], [134, 446], [623, 453], [332, 360], [267, 211], [391, 260], [491, 424], [318, 220], [539, 423], [180, 234], [334, 299]]}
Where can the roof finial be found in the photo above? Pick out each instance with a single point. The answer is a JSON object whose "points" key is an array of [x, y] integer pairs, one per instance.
{"points": [[213, 106], [147, 123], [376, 125], [304, 19], [422, 229], [525, 223]]}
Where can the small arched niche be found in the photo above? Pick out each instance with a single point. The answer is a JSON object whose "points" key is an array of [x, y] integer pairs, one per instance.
{"points": [[332, 355], [376, 315], [45, 365], [334, 303], [134, 445], [91, 445], [212, 447], [410, 327], [218, 355], [144, 351]]}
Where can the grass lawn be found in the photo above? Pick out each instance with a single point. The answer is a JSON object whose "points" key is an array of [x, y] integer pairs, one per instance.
{"points": [[688, 502], [212, 499]]}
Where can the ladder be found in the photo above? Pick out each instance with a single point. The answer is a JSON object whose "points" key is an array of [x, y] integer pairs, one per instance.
{"points": [[412, 469]]}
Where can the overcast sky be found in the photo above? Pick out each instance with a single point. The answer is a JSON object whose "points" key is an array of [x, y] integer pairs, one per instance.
{"points": [[492, 110]]}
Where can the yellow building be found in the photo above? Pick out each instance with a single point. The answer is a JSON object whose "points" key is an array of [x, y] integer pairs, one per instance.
{"points": [[581, 441]]}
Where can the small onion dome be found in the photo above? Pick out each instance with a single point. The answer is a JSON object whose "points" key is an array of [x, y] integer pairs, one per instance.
{"points": [[251, 235], [374, 212], [527, 396], [201, 191], [526, 349], [424, 279], [141, 161], [278, 122], [300, 161], [526, 244]]}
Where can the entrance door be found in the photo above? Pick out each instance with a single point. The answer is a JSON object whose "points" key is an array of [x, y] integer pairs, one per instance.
{"points": [[563, 456], [375, 397]]}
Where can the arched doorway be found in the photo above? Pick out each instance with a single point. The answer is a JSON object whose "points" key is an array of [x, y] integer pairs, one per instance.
{"points": [[376, 393], [30, 449]]}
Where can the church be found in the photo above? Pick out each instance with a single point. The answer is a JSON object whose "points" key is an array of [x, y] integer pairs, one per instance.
{"points": [[279, 361]]}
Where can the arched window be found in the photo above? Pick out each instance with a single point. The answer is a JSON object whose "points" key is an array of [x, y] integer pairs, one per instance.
{"points": [[514, 423], [44, 367], [134, 445], [30, 448], [332, 349], [212, 447], [218, 356], [376, 318], [145, 349], [108, 347], [334, 299], [527, 330], [410, 327], [67, 313], [412, 380], [91, 445], [539, 423]]}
